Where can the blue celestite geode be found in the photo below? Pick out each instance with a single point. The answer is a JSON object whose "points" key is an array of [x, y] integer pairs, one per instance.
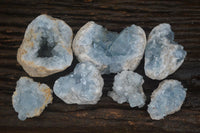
{"points": [[83, 86], [30, 98], [163, 56], [109, 51], [166, 99], [127, 87], [46, 48]]}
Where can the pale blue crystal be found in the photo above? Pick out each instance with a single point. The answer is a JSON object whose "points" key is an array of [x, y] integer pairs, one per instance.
{"points": [[30, 98], [127, 87], [46, 48], [109, 51], [166, 99], [163, 56], [83, 86]]}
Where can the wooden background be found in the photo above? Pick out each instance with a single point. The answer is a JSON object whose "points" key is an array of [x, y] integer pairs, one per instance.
{"points": [[107, 115]]}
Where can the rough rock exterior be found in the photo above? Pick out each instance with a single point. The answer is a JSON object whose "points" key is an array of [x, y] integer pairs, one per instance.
{"points": [[127, 87], [30, 98], [163, 56], [109, 51], [46, 48], [166, 99], [83, 86]]}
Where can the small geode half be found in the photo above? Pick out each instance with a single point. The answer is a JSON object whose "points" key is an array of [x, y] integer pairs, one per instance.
{"points": [[30, 98], [46, 48], [127, 87], [109, 51], [163, 56], [83, 86], [166, 99]]}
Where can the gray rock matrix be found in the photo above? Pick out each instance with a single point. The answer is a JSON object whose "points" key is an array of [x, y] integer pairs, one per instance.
{"points": [[163, 56], [30, 98], [109, 51], [166, 99], [127, 87], [83, 86], [46, 48]]}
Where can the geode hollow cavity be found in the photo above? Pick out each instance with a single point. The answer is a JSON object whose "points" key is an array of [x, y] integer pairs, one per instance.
{"points": [[127, 87], [83, 86], [109, 51], [163, 56], [46, 48], [30, 98], [166, 99]]}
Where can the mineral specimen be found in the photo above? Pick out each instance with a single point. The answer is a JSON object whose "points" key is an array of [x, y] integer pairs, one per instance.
{"points": [[163, 56], [166, 99], [128, 88], [46, 48], [83, 86], [109, 51], [30, 98]]}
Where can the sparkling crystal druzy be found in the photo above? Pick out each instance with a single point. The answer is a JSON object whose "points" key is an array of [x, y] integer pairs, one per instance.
{"points": [[109, 51], [166, 99], [163, 56], [127, 87], [46, 48], [83, 86], [30, 98]]}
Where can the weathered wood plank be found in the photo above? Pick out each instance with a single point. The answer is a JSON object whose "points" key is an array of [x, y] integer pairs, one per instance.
{"points": [[106, 116]]}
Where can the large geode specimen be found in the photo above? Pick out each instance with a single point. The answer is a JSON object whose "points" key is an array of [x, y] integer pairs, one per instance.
{"points": [[83, 86], [166, 99], [127, 87], [109, 51], [46, 48], [30, 98], [163, 56]]}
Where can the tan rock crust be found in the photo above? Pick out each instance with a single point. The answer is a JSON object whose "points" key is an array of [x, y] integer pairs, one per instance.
{"points": [[35, 66]]}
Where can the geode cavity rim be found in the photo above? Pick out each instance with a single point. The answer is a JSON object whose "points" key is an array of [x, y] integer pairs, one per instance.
{"points": [[30, 98], [109, 51], [46, 48], [163, 56]]}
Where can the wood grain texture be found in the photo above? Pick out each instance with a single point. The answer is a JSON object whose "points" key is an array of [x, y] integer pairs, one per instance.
{"points": [[106, 116]]}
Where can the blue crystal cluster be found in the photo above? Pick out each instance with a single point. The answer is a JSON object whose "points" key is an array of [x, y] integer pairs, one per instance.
{"points": [[166, 99], [30, 98], [109, 51], [163, 56], [46, 48], [83, 86], [127, 87]]}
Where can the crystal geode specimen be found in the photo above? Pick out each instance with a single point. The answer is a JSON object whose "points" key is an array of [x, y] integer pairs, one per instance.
{"points": [[127, 87], [83, 86], [166, 99], [46, 48], [109, 51], [30, 98], [163, 56]]}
